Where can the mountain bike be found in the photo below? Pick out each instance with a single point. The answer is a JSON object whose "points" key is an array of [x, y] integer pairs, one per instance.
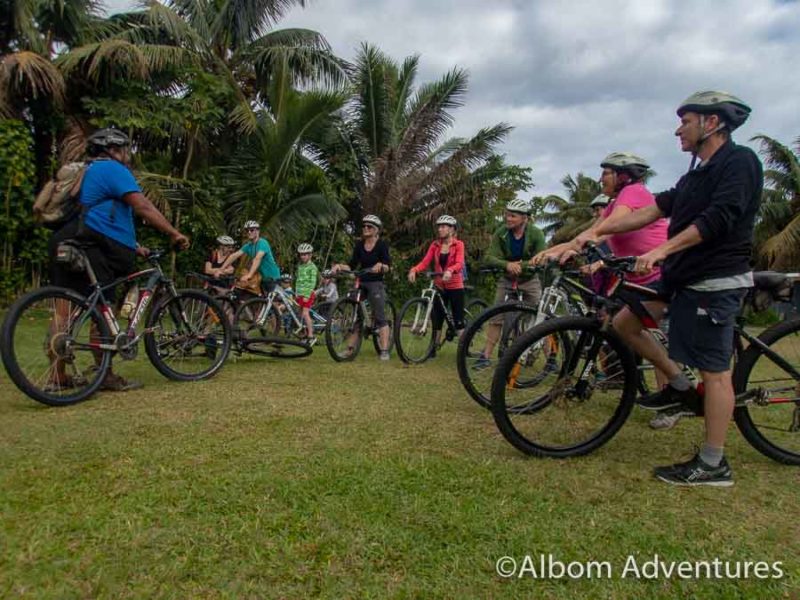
{"points": [[57, 345], [258, 323], [413, 331], [350, 321], [568, 414]]}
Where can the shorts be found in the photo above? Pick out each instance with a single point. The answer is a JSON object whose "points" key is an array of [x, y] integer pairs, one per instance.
{"points": [[304, 302], [531, 294], [376, 294], [109, 259], [701, 328]]}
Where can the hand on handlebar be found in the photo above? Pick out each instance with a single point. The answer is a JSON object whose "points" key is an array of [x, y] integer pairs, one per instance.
{"points": [[412, 276], [180, 241], [447, 276], [142, 251], [647, 262], [514, 268]]}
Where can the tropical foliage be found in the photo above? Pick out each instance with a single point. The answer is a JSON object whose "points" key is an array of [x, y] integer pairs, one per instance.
{"points": [[562, 218]]}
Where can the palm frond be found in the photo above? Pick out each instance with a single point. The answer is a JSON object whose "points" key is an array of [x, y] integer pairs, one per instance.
{"points": [[26, 75]]}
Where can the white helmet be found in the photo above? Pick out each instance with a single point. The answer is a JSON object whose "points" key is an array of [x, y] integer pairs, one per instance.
{"points": [[601, 201], [225, 240], [372, 220], [251, 225], [519, 206], [447, 220], [305, 249]]}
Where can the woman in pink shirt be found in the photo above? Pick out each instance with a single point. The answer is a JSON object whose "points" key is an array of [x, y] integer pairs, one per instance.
{"points": [[446, 254]]}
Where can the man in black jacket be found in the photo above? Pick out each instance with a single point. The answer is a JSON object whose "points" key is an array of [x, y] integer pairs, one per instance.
{"points": [[706, 270]]}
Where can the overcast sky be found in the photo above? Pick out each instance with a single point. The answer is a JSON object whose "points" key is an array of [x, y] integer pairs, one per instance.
{"points": [[583, 78]]}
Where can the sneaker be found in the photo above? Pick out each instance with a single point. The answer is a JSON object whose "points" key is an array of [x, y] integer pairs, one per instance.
{"points": [[385, 355], [669, 397], [310, 341], [695, 472], [117, 383], [67, 382], [669, 417], [481, 363], [551, 366]]}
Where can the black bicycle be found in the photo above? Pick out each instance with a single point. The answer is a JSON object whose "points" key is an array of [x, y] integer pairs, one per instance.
{"points": [[350, 321], [57, 345], [413, 330], [569, 414]]}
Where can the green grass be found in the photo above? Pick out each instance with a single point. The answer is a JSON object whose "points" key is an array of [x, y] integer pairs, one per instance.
{"points": [[363, 480]]}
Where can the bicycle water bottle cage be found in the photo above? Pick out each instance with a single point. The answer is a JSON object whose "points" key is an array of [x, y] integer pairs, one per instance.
{"points": [[70, 256]]}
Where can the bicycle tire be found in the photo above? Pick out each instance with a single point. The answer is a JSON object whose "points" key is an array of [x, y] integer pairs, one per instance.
{"points": [[276, 347], [473, 308], [202, 339], [751, 418], [529, 430], [478, 383], [409, 336], [345, 321], [249, 320], [17, 326], [391, 315]]}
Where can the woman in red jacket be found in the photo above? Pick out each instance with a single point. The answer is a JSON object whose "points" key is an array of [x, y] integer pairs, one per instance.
{"points": [[447, 255]]}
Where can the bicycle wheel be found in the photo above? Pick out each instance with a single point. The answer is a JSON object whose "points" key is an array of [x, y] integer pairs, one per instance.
{"points": [[188, 336], [345, 330], [473, 308], [391, 316], [414, 331], [475, 370], [263, 330], [46, 339], [566, 414], [770, 419]]}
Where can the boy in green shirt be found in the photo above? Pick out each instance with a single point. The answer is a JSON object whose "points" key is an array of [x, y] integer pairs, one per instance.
{"points": [[304, 286]]}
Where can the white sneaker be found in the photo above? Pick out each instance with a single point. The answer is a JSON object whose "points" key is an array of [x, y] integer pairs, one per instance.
{"points": [[384, 355], [669, 417]]}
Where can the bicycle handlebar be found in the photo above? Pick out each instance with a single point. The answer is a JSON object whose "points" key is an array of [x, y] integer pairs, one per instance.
{"points": [[224, 281], [625, 264]]}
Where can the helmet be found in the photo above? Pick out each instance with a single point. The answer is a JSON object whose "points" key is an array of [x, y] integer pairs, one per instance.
{"points": [[626, 161], [372, 220], [109, 136], [327, 274], [730, 109], [286, 277], [447, 220], [305, 249], [251, 225], [518, 206], [225, 240], [600, 201]]}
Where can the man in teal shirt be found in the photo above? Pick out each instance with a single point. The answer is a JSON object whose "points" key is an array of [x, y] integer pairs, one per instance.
{"points": [[260, 253]]}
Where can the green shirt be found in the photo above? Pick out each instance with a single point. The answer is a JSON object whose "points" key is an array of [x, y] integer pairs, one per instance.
{"points": [[306, 281], [499, 252]]}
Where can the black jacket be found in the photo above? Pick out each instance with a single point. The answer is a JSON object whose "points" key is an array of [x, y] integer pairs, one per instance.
{"points": [[721, 198]]}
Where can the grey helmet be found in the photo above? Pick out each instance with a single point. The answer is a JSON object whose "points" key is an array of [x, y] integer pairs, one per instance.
{"points": [[447, 220], [107, 137], [518, 206], [225, 240], [626, 161], [251, 225], [600, 201], [372, 220], [305, 249], [731, 110]]}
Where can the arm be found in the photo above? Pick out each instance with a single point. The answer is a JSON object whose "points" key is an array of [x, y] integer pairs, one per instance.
{"points": [[208, 269], [232, 258], [630, 222], [145, 210], [458, 257], [494, 256], [426, 260], [254, 264], [685, 239]]}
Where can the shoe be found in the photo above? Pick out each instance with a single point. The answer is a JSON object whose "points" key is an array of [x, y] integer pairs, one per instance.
{"points": [[385, 355], [669, 417], [117, 383], [68, 382], [669, 397], [551, 366], [481, 363], [695, 472], [310, 341]]}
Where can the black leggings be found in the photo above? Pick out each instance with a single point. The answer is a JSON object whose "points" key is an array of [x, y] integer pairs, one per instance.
{"points": [[453, 298]]}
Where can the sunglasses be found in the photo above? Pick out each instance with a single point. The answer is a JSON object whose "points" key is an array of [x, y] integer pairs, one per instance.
{"points": [[368, 226], [252, 229]]}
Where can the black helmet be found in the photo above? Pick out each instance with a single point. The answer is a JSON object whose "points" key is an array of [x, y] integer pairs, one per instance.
{"points": [[104, 138], [731, 110]]}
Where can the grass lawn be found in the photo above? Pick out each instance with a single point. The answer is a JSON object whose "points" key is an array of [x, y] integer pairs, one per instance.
{"points": [[310, 478]]}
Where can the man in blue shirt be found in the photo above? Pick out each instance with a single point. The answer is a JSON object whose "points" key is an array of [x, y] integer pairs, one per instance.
{"points": [[109, 198], [261, 258]]}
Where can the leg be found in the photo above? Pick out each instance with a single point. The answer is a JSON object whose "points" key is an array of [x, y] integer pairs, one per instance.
{"points": [[719, 403], [456, 298], [495, 326], [630, 328]]}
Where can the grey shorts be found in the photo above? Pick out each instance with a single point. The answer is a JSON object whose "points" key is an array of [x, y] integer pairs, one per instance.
{"points": [[701, 328], [531, 294], [376, 294]]}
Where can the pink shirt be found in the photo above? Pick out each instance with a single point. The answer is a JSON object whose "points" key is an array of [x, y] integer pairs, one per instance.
{"points": [[636, 243]]}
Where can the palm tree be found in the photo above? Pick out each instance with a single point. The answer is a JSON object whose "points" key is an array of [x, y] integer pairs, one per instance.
{"points": [[778, 225], [392, 138], [566, 217]]}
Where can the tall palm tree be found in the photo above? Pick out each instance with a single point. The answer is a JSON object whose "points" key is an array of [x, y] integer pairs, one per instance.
{"points": [[564, 218], [392, 135], [778, 225]]}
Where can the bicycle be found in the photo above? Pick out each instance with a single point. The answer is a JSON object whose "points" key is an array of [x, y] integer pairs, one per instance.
{"points": [[475, 370], [413, 330], [350, 320], [81, 334], [256, 324], [570, 415]]}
